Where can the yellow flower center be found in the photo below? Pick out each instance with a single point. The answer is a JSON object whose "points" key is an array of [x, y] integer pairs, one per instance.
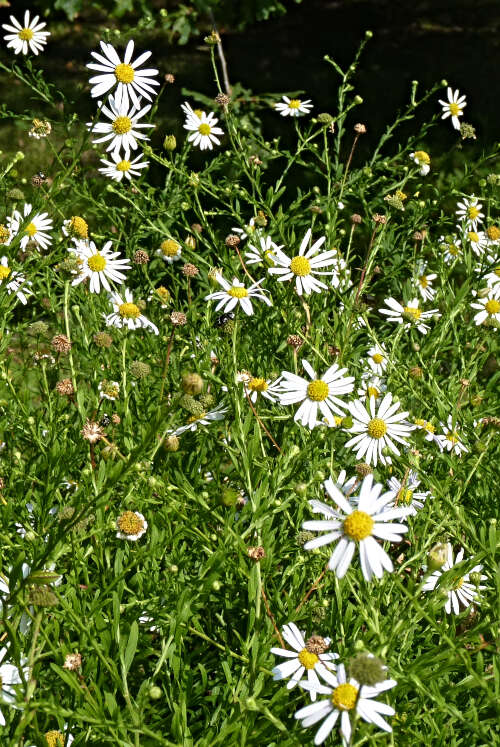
{"points": [[237, 292], [377, 358], [300, 266], [123, 166], [163, 293], [169, 248], [457, 584], [423, 281], [344, 697], [454, 109], [404, 496], [121, 125], [497, 271], [317, 390], [377, 428], [493, 233], [194, 418], [372, 391], [129, 523], [96, 262], [358, 525], [258, 385], [413, 312], [307, 659], [452, 436], [124, 73], [129, 310], [294, 104], [473, 236], [25, 34], [425, 425], [54, 738], [198, 112], [78, 227], [422, 157], [4, 272], [472, 212], [453, 249], [31, 229], [492, 306], [4, 234], [204, 129], [110, 389]]}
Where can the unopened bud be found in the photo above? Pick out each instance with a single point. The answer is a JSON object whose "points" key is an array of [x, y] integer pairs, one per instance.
{"points": [[437, 557]]}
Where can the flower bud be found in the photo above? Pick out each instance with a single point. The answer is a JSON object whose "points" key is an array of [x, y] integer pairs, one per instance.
{"points": [[437, 557], [192, 383], [170, 143], [367, 669], [155, 692]]}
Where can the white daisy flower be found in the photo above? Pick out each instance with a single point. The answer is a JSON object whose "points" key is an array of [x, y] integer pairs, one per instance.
{"points": [[319, 393], [493, 276], [407, 495], [293, 107], [422, 159], [109, 389], [254, 256], [100, 266], [478, 241], [424, 282], [454, 107], [461, 591], [130, 80], [10, 676], [408, 316], [131, 526], [75, 227], [16, 284], [345, 697], [358, 520], [377, 359], [469, 210], [268, 389], [488, 306], [169, 250], [30, 36], [127, 314], [120, 168], [304, 266], [450, 440], [205, 418], [235, 293], [124, 127], [36, 231], [427, 427], [307, 656], [377, 429], [249, 230], [371, 386], [202, 127], [450, 246]]}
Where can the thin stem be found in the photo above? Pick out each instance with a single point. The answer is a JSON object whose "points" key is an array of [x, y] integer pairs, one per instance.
{"points": [[313, 588], [167, 361], [260, 421], [271, 617]]}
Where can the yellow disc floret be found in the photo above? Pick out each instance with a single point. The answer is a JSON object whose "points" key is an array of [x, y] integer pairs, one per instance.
{"points": [[96, 262], [54, 738], [422, 157], [25, 34], [204, 129], [413, 312], [454, 109], [31, 229], [472, 212], [258, 385], [372, 391], [358, 525], [294, 104], [317, 390], [4, 272], [237, 292], [377, 358], [121, 125], [452, 437], [308, 659], [473, 236], [404, 496], [300, 266], [169, 248], [124, 73], [129, 310], [423, 281], [492, 306], [493, 233], [78, 227], [344, 697], [123, 165], [377, 428], [129, 523]]}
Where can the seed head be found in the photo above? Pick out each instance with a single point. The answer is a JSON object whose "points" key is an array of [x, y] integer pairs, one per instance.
{"points": [[356, 219], [367, 669], [92, 431], [325, 118], [304, 536], [65, 387], [467, 131], [206, 400], [192, 383], [360, 129], [37, 180], [196, 228], [256, 553], [493, 179], [363, 469], [38, 329], [232, 240], [171, 443], [395, 202], [380, 219], [72, 662], [188, 402], [260, 219], [140, 370], [169, 78], [316, 644], [212, 39], [223, 100], [295, 341], [190, 270], [15, 194], [61, 344], [141, 257], [178, 318], [416, 372], [254, 160], [103, 340], [116, 419]]}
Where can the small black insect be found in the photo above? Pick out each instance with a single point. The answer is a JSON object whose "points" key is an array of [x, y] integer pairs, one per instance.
{"points": [[224, 319], [105, 421], [41, 175]]}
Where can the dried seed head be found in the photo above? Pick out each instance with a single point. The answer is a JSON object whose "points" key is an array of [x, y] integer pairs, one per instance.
{"points": [[295, 341], [169, 78], [416, 372], [256, 553], [316, 644], [254, 160], [40, 128], [212, 39], [196, 228], [141, 257], [333, 350], [178, 318], [171, 443], [356, 219], [61, 344], [72, 662], [418, 236], [367, 669], [304, 536], [37, 180], [360, 129], [42, 596], [38, 329], [467, 131], [380, 219], [65, 387], [223, 100], [15, 194], [362, 469], [232, 240], [190, 270], [140, 370], [116, 419], [103, 340], [192, 383], [92, 431]]}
